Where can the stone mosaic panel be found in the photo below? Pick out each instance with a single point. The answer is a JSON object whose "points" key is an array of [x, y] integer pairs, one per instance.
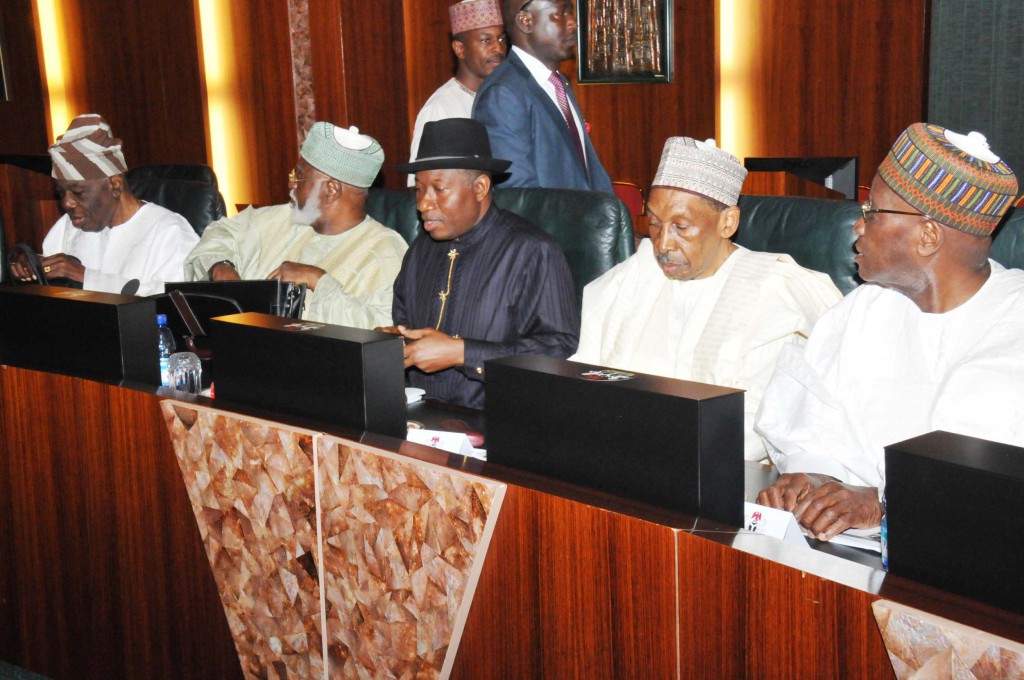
{"points": [[402, 541], [403, 545], [923, 646], [251, 485]]}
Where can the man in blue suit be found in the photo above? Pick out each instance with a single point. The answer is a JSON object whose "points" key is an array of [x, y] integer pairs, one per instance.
{"points": [[531, 115]]}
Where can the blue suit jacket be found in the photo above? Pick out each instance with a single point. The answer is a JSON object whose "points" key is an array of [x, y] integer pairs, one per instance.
{"points": [[526, 127]]}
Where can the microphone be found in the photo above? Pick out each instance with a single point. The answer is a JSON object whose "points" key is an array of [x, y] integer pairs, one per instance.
{"points": [[130, 288]]}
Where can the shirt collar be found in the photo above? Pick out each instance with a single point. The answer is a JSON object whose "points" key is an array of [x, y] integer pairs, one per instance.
{"points": [[539, 71], [480, 229]]}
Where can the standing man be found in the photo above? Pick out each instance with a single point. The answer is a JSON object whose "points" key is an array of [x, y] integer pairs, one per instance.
{"points": [[483, 283], [479, 43], [107, 238], [932, 341], [322, 238], [529, 110], [693, 305]]}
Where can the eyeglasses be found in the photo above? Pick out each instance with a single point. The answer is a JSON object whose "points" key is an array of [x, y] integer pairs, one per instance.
{"points": [[866, 210], [293, 177], [524, 6]]}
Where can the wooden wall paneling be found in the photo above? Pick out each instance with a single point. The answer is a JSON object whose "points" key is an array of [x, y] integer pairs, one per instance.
{"points": [[137, 64], [630, 123], [24, 195], [376, 95], [22, 120], [328, 61], [834, 78], [429, 60], [265, 99], [545, 606], [105, 572]]}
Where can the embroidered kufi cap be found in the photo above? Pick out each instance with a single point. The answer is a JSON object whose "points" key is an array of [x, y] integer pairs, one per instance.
{"points": [[700, 168], [470, 15], [953, 178], [346, 155], [88, 150]]}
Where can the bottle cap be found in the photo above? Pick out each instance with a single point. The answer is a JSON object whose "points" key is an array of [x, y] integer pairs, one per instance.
{"points": [[161, 319]]}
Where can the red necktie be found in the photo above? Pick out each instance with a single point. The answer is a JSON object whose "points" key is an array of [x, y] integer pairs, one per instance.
{"points": [[563, 104]]}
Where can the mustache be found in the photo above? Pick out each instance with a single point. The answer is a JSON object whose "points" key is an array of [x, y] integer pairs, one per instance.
{"points": [[665, 258]]}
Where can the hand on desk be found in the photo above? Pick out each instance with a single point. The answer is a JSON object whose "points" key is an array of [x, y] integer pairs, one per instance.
{"points": [[224, 272], [427, 349], [293, 272], [824, 505], [54, 267]]}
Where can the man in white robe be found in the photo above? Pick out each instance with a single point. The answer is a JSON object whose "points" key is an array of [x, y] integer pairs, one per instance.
{"points": [[691, 304], [107, 240], [324, 238], [480, 45], [933, 341]]}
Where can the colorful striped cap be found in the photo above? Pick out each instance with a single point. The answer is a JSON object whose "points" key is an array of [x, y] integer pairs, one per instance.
{"points": [[954, 179], [469, 15], [88, 150]]}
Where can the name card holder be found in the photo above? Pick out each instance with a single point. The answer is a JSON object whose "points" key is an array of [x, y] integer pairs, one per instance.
{"points": [[79, 332], [347, 376], [670, 443], [953, 515]]}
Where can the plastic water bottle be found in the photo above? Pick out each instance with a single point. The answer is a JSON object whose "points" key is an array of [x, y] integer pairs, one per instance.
{"points": [[885, 537], [166, 349]]}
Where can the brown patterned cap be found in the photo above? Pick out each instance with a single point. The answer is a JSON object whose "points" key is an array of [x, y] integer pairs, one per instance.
{"points": [[470, 15], [954, 179], [88, 150], [700, 168]]}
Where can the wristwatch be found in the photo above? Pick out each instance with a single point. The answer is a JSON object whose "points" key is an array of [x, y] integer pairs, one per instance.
{"points": [[209, 272]]}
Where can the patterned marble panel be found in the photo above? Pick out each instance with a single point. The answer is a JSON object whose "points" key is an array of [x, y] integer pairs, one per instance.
{"points": [[923, 646], [403, 545], [402, 541], [302, 66], [251, 485]]}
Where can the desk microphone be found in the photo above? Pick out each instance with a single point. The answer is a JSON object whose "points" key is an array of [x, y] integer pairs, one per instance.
{"points": [[130, 288]]}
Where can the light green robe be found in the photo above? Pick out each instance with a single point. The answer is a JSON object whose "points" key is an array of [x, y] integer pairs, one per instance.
{"points": [[361, 269]]}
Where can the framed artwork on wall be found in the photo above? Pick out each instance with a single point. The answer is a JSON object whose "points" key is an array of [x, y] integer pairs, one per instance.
{"points": [[625, 41], [5, 86]]}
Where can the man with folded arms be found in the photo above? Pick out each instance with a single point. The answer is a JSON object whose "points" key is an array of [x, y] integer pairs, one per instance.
{"points": [[108, 240], [932, 341], [323, 238], [482, 283], [691, 304]]}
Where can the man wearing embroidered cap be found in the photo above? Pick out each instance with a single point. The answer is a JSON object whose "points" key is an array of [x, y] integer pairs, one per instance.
{"points": [[479, 44], [107, 237], [690, 304], [482, 283], [323, 238], [933, 341]]}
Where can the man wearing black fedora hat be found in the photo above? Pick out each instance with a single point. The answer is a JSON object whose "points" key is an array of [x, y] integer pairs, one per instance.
{"points": [[486, 283]]}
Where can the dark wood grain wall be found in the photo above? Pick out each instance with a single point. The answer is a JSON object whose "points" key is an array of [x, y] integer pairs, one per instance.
{"points": [[836, 78], [829, 77], [22, 125]]}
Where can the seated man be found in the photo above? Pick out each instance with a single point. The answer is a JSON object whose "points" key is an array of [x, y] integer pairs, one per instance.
{"points": [[485, 284], [108, 240], [322, 238], [691, 304], [933, 341]]}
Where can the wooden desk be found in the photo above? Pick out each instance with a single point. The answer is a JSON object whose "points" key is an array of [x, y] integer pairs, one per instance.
{"points": [[105, 575]]}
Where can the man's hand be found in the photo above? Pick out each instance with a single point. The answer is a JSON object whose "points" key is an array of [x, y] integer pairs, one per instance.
{"points": [[20, 271], [430, 350], [224, 272], [394, 330], [63, 266], [824, 505], [293, 272]]}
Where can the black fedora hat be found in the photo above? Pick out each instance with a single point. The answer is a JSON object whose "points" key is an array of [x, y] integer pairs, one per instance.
{"points": [[455, 144]]}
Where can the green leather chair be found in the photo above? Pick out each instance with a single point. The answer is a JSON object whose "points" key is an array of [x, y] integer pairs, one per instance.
{"points": [[818, 233], [189, 190], [594, 229]]}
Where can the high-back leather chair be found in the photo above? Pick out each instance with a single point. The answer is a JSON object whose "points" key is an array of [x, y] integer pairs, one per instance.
{"points": [[189, 190], [593, 229]]}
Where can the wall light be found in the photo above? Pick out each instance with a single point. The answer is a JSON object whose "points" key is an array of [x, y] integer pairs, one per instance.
{"points": [[51, 34]]}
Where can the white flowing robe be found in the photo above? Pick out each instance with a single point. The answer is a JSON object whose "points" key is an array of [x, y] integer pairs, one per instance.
{"points": [[451, 100], [151, 247], [877, 370], [361, 264], [727, 329]]}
